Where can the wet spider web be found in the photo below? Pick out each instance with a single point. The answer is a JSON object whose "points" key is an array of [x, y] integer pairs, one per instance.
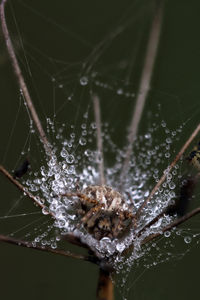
{"points": [[62, 88]]}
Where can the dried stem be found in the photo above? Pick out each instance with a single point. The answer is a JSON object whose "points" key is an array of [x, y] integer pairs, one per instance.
{"points": [[153, 221], [97, 114], [169, 168], [172, 225], [68, 237], [21, 80], [21, 187], [105, 287], [144, 84], [21, 243]]}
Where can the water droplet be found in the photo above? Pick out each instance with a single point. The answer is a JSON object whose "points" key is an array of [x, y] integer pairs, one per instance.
{"points": [[119, 91], [120, 247], [70, 159], [163, 124], [187, 239], [84, 80], [172, 185], [88, 152], [45, 210], [167, 234], [64, 153], [82, 141]]}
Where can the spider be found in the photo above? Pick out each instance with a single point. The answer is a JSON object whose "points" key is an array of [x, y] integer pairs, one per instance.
{"points": [[104, 212]]}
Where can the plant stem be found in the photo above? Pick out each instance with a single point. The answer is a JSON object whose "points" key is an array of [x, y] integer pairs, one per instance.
{"points": [[144, 84], [10, 240], [169, 168], [105, 287], [172, 225], [97, 114], [21, 187], [68, 237], [21, 80]]}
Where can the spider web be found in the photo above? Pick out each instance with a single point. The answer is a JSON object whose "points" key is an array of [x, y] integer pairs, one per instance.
{"points": [[108, 63]]}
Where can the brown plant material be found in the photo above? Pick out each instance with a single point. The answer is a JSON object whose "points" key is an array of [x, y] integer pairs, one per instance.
{"points": [[97, 114], [105, 287], [65, 253], [144, 87], [20, 79], [169, 227], [169, 168]]}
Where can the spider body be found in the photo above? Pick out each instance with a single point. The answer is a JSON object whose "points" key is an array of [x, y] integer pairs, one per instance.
{"points": [[104, 212]]}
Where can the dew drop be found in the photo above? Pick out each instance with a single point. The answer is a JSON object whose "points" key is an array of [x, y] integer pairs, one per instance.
{"points": [[187, 239], [64, 153], [84, 80], [82, 141], [167, 234], [172, 185], [119, 91], [45, 210], [70, 159], [120, 247]]}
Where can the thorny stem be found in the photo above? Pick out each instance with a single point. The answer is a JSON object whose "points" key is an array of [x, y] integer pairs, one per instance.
{"points": [[97, 114], [21, 80], [144, 84], [21, 243], [169, 168], [105, 287]]}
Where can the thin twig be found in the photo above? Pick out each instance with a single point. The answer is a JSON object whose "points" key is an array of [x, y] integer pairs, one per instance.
{"points": [[153, 221], [144, 84], [21, 243], [75, 240], [169, 168], [97, 114], [21, 80], [172, 225]]}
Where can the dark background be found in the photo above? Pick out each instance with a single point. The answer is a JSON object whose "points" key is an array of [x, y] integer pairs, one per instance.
{"points": [[69, 31]]}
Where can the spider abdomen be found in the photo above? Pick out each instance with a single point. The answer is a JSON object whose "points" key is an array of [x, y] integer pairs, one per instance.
{"points": [[105, 213]]}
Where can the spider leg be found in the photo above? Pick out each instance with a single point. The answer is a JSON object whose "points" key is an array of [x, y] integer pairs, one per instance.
{"points": [[92, 220], [129, 216], [91, 212], [118, 223]]}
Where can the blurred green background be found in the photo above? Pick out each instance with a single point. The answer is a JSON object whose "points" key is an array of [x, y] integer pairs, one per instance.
{"points": [[60, 41]]}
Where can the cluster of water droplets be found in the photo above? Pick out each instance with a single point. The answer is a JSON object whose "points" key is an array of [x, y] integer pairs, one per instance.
{"points": [[74, 165]]}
